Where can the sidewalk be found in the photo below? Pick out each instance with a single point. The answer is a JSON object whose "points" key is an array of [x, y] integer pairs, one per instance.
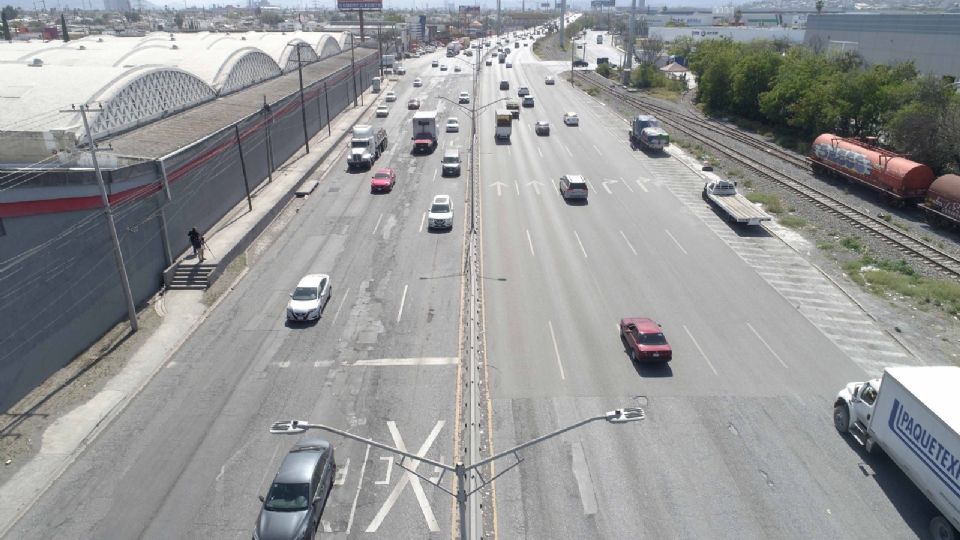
{"points": [[182, 311]]}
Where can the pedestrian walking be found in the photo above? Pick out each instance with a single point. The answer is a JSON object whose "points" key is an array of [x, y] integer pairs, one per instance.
{"points": [[197, 241]]}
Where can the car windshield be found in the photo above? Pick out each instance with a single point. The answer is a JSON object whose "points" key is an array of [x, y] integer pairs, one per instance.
{"points": [[653, 339], [439, 209], [359, 144], [381, 175], [287, 497], [450, 159], [305, 293], [452, 121]]}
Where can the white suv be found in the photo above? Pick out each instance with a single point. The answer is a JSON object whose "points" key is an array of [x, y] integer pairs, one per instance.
{"points": [[440, 215]]}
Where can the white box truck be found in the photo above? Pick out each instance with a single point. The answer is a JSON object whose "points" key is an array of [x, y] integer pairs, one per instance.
{"points": [[913, 415]]}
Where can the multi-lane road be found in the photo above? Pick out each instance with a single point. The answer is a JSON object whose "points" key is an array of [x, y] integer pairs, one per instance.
{"points": [[738, 440]]}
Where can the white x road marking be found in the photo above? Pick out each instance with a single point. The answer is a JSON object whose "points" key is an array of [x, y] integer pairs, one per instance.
{"points": [[411, 478]]}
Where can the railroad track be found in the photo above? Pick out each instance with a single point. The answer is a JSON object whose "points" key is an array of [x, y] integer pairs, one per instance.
{"points": [[929, 255]]}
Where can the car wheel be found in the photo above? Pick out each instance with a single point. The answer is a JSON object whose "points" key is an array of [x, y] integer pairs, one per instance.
{"points": [[841, 417], [941, 529]]}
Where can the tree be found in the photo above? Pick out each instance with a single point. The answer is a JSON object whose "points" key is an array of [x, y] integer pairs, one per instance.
{"points": [[682, 46], [713, 63], [819, 6], [752, 75], [132, 16], [928, 128], [650, 49], [737, 16], [178, 20], [10, 13]]}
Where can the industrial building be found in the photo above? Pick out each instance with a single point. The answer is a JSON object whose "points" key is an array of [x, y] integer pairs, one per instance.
{"points": [[184, 125], [930, 41]]}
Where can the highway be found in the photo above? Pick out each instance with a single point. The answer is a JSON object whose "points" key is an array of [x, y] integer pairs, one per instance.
{"points": [[190, 455], [738, 441]]}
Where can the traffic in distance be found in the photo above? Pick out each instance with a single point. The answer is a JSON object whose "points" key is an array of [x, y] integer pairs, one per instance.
{"points": [[910, 394], [604, 284]]}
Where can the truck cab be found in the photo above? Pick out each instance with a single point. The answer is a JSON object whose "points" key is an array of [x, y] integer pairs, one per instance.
{"points": [[366, 145]]}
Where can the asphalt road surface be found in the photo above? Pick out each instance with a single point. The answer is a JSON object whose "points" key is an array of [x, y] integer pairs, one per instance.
{"points": [[738, 440], [190, 455]]}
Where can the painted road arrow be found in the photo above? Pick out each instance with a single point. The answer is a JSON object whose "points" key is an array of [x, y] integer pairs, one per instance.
{"points": [[498, 185]]}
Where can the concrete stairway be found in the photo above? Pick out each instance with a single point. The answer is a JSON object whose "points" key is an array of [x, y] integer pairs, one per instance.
{"points": [[192, 276]]}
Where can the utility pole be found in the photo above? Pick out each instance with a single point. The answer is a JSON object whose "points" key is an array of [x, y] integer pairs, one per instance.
{"points": [[353, 70], [380, 44], [499, 25], [563, 12], [108, 211], [303, 104], [627, 65]]}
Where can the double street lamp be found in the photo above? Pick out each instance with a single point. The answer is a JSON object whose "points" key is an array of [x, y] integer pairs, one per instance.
{"points": [[616, 416]]}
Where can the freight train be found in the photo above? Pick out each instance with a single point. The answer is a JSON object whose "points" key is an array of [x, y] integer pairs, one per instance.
{"points": [[901, 180]]}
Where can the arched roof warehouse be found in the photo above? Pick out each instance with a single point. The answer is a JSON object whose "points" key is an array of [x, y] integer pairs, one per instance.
{"points": [[137, 80]]}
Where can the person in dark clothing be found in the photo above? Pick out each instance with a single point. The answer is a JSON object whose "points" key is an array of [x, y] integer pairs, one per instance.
{"points": [[196, 240]]}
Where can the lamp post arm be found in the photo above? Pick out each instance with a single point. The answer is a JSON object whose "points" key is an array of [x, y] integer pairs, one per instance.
{"points": [[533, 442], [299, 426]]}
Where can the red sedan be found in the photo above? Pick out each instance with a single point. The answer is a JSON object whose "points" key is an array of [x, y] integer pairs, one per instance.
{"points": [[645, 340], [383, 180]]}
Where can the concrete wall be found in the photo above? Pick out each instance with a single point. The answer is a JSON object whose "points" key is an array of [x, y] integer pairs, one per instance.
{"points": [[931, 42], [59, 285]]}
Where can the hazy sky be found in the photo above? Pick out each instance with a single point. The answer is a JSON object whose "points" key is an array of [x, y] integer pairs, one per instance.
{"points": [[330, 4]]}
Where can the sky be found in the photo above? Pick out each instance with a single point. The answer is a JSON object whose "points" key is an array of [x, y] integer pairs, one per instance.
{"points": [[330, 4]]}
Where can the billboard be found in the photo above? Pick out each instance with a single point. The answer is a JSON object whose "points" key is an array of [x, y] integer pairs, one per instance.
{"points": [[354, 5], [602, 3], [469, 9]]}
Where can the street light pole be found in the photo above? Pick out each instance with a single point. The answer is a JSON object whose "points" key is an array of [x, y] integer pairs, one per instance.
{"points": [[380, 45], [303, 103], [353, 71], [616, 416]]}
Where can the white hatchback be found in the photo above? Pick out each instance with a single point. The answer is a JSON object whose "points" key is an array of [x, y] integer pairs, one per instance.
{"points": [[417, 82], [309, 298], [571, 119], [391, 96], [453, 125]]}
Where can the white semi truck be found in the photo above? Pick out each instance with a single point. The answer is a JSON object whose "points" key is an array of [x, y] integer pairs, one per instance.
{"points": [[366, 145], [913, 415]]}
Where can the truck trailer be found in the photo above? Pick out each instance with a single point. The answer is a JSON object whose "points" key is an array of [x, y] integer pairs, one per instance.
{"points": [[424, 131], [912, 414], [722, 195]]}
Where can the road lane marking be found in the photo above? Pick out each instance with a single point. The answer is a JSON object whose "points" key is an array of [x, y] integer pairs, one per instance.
{"points": [[539, 151], [629, 245], [626, 185], [498, 185], [434, 175], [643, 187], [353, 507], [517, 185], [556, 350], [422, 219], [703, 354], [581, 472], [597, 149], [402, 300], [421, 361], [342, 474], [765, 344], [581, 244], [530, 243], [675, 241], [411, 478], [342, 300], [567, 149], [377, 226], [536, 186], [385, 481], [606, 187]]}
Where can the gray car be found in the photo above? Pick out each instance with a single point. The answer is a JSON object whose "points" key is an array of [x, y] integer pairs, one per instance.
{"points": [[294, 504]]}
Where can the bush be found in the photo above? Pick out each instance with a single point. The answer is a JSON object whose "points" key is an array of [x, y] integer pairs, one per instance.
{"points": [[794, 222], [770, 202], [604, 70]]}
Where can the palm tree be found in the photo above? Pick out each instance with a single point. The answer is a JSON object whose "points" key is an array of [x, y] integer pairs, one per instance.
{"points": [[819, 6]]}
